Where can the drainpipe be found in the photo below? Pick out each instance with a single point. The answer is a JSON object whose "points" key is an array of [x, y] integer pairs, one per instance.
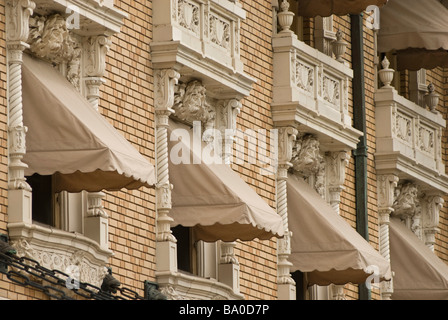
{"points": [[359, 119]]}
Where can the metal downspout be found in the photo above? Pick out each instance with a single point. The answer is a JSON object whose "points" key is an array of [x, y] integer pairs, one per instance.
{"points": [[359, 119]]}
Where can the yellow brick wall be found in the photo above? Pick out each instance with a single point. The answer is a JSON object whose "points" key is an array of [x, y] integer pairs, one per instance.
{"points": [[257, 258], [437, 76], [127, 102]]}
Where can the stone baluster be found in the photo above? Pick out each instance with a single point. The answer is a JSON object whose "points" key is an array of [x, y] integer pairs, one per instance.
{"points": [[286, 285], [18, 13], [166, 247], [386, 190]]}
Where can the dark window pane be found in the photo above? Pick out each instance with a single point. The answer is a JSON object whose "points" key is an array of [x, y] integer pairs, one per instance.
{"points": [[42, 205], [183, 237]]}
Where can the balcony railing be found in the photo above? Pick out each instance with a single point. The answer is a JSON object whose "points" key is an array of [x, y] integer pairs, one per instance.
{"points": [[408, 136], [311, 89], [201, 38]]}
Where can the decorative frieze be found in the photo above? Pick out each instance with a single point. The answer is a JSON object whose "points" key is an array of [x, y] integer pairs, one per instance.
{"points": [[88, 269]]}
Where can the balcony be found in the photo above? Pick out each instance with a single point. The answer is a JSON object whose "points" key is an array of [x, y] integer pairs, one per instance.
{"points": [[201, 39], [409, 138], [311, 90]]}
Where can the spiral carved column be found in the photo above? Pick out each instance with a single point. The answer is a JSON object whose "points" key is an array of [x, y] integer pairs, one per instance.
{"points": [[166, 247], [286, 284], [17, 15], [386, 189]]}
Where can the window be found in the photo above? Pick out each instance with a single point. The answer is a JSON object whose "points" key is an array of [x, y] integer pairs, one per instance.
{"points": [[61, 210], [195, 257]]}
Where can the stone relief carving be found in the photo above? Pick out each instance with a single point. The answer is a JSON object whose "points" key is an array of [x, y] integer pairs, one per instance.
{"points": [[57, 260], [309, 163], [403, 127], [426, 139], [190, 103], [406, 203], [219, 31], [96, 50], [304, 75], [331, 90], [188, 15], [18, 12], [306, 157], [50, 39]]}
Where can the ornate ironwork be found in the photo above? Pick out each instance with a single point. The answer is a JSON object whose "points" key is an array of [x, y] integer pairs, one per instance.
{"points": [[57, 284]]}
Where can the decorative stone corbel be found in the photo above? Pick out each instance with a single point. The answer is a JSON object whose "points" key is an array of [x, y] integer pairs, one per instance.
{"points": [[386, 192], [336, 166], [17, 15], [226, 116], [286, 140], [165, 81], [95, 51], [430, 218]]}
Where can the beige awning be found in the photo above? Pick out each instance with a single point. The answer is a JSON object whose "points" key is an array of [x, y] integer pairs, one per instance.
{"points": [[325, 8], [417, 30], [213, 199], [324, 245], [69, 139], [419, 273]]}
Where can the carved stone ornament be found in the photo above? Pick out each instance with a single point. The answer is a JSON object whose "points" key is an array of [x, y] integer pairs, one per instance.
{"points": [[190, 103], [307, 159], [386, 191], [88, 271], [286, 140], [18, 13], [50, 39], [96, 51], [406, 203], [165, 81]]}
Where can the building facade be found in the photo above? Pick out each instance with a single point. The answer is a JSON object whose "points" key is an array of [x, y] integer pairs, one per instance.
{"points": [[222, 149]]}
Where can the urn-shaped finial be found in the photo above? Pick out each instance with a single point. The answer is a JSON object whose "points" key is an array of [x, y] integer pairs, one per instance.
{"points": [[386, 74]]}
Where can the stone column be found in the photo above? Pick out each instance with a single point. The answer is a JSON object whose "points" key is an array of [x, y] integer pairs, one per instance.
{"points": [[286, 285], [336, 165], [96, 48], [166, 247], [18, 13], [226, 117], [386, 190]]}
